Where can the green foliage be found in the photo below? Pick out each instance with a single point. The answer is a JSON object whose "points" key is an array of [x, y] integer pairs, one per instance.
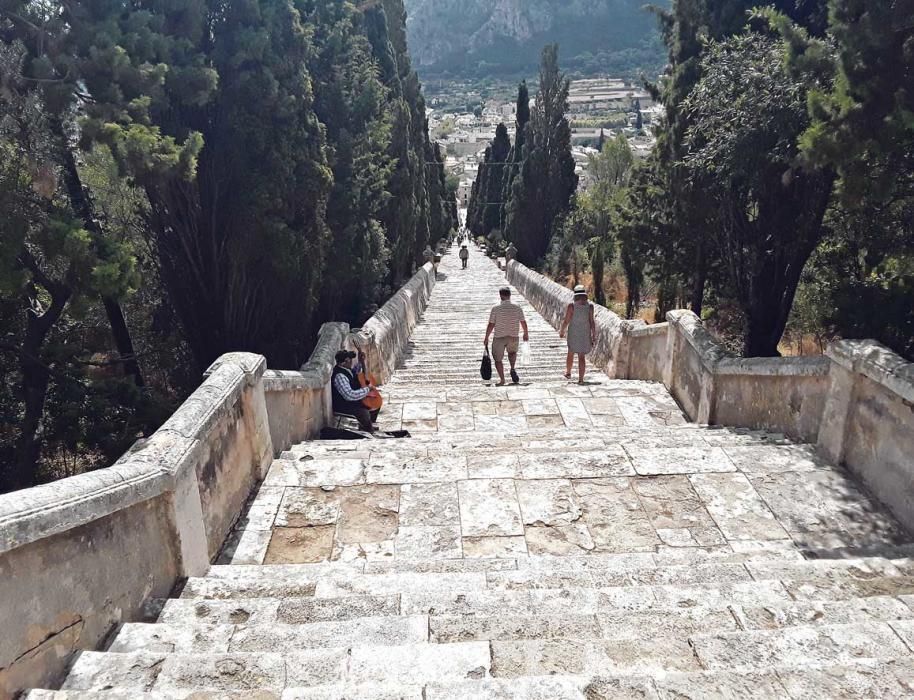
{"points": [[542, 189], [484, 211], [861, 111], [228, 176]]}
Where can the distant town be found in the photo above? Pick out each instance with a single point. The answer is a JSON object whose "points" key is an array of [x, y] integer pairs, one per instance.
{"points": [[462, 121]]}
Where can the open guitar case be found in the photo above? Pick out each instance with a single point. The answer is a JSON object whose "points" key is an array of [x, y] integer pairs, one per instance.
{"points": [[344, 434]]}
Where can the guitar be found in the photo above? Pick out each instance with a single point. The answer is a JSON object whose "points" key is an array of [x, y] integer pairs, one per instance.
{"points": [[374, 401]]}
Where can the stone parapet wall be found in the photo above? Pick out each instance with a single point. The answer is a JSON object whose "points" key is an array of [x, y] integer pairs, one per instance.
{"points": [[81, 555], [716, 387], [856, 403], [385, 336], [612, 349], [647, 354], [868, 422], [299, 403]]}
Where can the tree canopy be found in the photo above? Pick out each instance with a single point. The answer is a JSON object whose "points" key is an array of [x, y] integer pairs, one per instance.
{"points": [[185, 179]]}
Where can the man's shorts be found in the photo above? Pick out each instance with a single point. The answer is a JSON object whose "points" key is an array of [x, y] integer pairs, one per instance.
{"points": [[499, 345]]}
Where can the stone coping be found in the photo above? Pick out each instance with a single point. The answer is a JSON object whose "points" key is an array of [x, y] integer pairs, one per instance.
{"points": [[42, 511], [148, 470], [710, 352], [314, 374], [876, 362], [639, 331], [720, 361], [773, 366]]}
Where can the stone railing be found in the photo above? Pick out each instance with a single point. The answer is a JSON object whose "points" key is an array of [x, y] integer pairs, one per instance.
{"points": [[712, 385], [83, 554], [856, 403], [298, 403], [613, 347], [385, 336]]}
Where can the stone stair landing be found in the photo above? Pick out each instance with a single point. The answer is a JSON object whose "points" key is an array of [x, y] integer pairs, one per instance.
{"points": [[544, 541]]}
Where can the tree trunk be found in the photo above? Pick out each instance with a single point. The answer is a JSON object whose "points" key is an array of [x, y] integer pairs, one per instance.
{"points": [[122, 339], [34, 385], [770, 302], [633, 282], [696, 303], [82, 206], [763, 333]]}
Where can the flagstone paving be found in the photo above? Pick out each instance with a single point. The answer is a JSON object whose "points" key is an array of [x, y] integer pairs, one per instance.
{"points": [[547, 540]]}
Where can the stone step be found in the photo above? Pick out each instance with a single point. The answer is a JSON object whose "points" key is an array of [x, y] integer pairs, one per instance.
{"points": [[894, 679], [796, 648], [246, 637], [805, 580], [790, 648], [269, 624], [272, 672], [265, 625]]}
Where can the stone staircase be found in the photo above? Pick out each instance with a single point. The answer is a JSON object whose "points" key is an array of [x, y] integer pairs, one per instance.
{"points": [[545, 541]]}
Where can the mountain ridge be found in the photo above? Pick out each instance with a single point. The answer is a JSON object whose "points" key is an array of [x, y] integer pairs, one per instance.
{"points": [[488, 37]]}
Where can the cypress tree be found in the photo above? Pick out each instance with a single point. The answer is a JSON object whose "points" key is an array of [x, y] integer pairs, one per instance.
{"points": [[542, 191], [522, 118], [351, 101], [484, 213]]}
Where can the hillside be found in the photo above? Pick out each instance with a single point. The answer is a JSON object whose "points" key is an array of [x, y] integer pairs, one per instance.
{"points": [[475, 38]]}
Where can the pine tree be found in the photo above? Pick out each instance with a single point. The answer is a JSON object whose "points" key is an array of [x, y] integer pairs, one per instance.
{"points": [[543, 190], [687, 28], [50, 264]]}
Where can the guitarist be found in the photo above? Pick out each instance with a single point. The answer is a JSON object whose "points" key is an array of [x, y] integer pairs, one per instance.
{"points": [[348, 394]]}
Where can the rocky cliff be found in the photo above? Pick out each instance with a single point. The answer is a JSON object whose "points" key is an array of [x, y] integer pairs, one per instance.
{"points": [[482, 37]]}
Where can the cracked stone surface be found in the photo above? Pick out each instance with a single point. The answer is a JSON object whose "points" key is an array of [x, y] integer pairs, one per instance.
{"points": [[542, 541]]}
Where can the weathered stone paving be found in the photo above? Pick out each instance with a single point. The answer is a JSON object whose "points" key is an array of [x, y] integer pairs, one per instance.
{"points": [[542, 541]]}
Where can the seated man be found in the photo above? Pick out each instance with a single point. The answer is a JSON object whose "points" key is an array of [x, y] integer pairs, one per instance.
{"points": [[348, 395]]}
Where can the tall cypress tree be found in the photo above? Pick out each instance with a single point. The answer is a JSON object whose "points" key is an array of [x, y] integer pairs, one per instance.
{"points": [[543, 189], [351, 101], [408, 217], [522, 118], [484, 211], [494, 190]]}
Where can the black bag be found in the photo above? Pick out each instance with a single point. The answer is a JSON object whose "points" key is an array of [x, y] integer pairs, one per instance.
{"points": [[485, 369]]}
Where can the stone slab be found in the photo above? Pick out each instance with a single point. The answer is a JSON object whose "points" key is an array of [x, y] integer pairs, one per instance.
{"points": [[489, 507], [737, 508], [679, 460]]}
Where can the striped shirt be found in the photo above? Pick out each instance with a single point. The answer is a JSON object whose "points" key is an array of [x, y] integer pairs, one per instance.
{"points": [[343, 387], [507, 318]]}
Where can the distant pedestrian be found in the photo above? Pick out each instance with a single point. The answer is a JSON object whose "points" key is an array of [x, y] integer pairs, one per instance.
{"points": [[464, 256], [581, 330], [505, 323]]}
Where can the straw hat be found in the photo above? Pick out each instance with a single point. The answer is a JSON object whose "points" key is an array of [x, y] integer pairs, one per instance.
{"points": [[580, 291]]}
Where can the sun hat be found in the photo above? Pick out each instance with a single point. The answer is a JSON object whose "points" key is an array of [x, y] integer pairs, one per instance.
{"points": [[580, 291]]}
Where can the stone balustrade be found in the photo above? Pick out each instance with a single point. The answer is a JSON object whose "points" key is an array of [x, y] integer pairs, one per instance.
{"points": [[856, 403], [83, 554], [385, 336]]}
